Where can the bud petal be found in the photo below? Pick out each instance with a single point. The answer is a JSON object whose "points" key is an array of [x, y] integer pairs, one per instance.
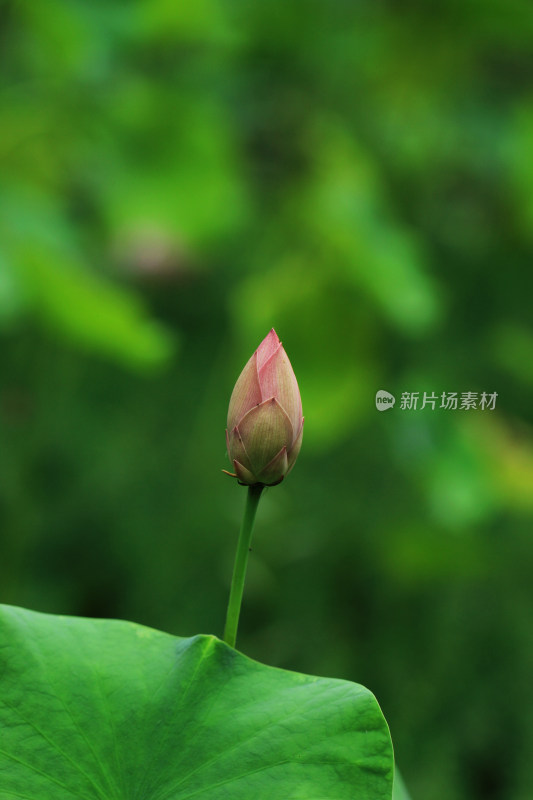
{"points": [[295, 449], [236, 448], [265, 429], [275, 471], [268, 346], [265, 423], [277, 379], [246, 393], [244, 475]]}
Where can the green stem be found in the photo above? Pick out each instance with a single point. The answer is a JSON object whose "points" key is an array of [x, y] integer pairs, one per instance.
{"points": [[241, 560]]}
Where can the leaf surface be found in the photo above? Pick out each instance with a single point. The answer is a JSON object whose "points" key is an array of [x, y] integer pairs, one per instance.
{"points": [[116, 711]]}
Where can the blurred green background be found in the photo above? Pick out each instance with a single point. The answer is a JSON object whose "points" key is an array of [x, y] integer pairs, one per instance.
{"points": [[177, 178]]}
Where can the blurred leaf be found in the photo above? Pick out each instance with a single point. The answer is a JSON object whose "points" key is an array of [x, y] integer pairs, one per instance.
{"points": [[190, 184], [399, 792], [513, 348], [347, 209], [11, 301], [449, 464], [199, 21], [92, 312], [520, 167], [43, 272], [507, 453]]}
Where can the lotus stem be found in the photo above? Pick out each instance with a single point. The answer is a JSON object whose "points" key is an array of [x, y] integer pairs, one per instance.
{"points": [[241, 561]]}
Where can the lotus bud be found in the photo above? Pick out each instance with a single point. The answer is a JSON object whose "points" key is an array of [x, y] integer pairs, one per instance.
{"points": [[265, 423]]}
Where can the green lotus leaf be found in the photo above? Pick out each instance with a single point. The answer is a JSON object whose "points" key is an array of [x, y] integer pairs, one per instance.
{"points": [[117, 711]]}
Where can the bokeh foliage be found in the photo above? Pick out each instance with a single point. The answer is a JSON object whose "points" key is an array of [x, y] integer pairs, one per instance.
{"points": [[175, 179]]}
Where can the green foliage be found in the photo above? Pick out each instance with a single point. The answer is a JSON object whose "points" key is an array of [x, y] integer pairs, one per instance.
{"points": [[45, 275], [109, 709], [399, 792], [359, 176]]}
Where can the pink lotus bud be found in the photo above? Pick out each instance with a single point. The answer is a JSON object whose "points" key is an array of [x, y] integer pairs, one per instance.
{"points": [[265, 423]]}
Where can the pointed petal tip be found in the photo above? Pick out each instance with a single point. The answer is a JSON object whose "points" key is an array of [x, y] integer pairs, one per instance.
{"points": [[276, 469], [267, 347], [277, 378], [271, 338], [244, 475], [246, 392], [231, 474]]}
